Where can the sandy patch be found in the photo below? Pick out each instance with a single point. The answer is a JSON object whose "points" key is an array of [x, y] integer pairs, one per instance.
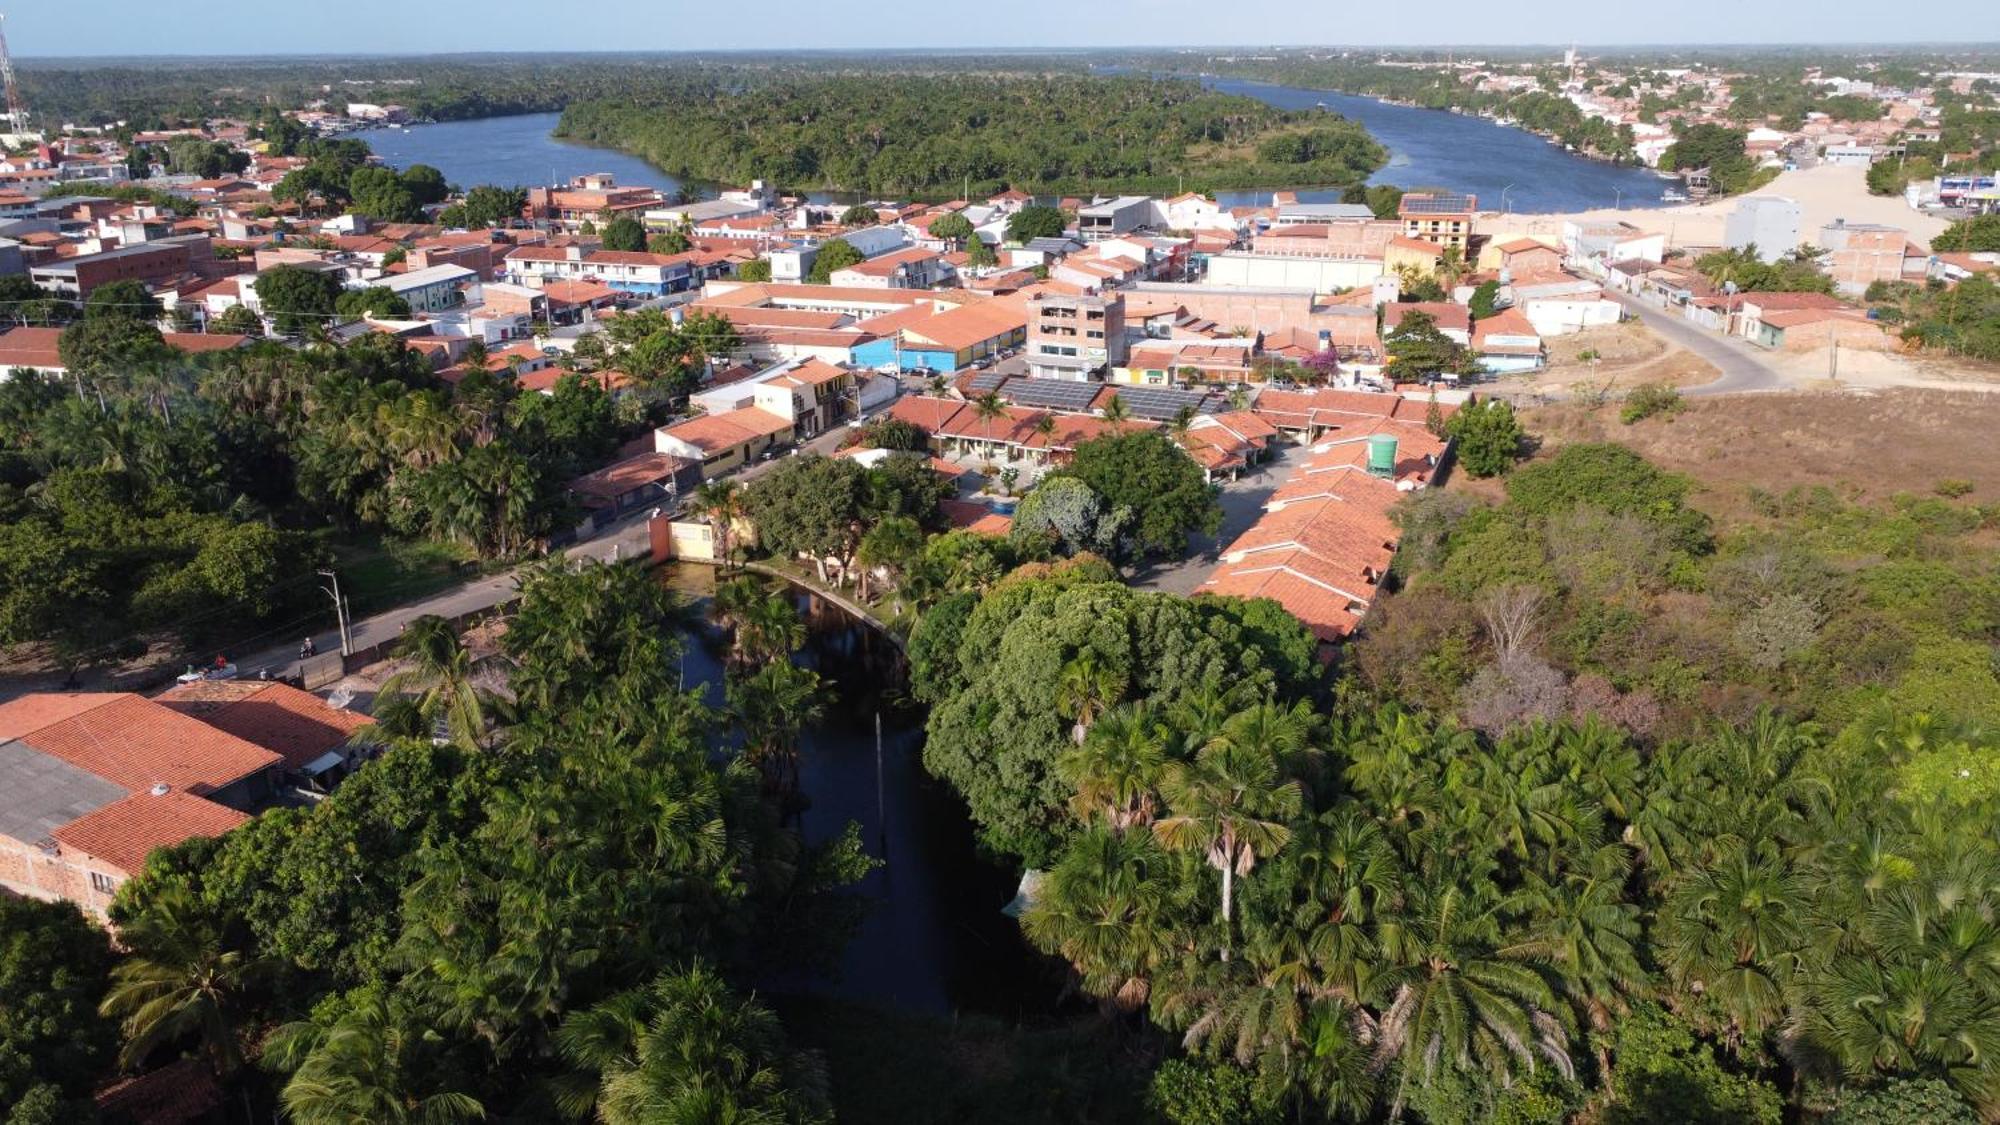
{"points": [[1620, 357], [1824, 194]]}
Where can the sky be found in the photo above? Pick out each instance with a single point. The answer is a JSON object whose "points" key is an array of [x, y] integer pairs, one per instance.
{"points": [[41, 28]]}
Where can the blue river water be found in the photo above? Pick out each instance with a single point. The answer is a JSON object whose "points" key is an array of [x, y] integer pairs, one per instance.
{"points": [[1427, 148]]}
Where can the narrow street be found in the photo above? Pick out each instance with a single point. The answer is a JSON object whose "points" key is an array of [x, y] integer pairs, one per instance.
{"points": [[1743, 367]]}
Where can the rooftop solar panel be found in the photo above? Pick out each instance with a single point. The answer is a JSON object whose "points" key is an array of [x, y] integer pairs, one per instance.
{"points": [[1160, 404], [985, 381], [1056, 394], [1436, 204]]}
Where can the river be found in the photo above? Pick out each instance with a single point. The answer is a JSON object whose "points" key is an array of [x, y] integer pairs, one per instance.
{"points": [[1427, 148], [934, 940]]}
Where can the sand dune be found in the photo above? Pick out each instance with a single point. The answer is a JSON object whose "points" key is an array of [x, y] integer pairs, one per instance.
{"points": [[1825, 193]]}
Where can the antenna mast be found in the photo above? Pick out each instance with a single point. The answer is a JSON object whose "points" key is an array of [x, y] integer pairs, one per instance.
{"points": [[17, 111]]}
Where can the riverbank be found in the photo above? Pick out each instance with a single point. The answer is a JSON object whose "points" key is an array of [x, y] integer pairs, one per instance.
{"points": [[939, 137]]}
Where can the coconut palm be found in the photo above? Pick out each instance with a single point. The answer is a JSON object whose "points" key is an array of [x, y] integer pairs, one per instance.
{"points": [[181, 983], [437, 669], [361, 1068], [894, 545], [1116, 767], [686, 1049], [769, 629], [988, 409], [1116, 411], [1085, 687], [1230, 806]]}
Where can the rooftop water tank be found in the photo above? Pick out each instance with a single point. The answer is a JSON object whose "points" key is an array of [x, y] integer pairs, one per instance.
{"points": [[1382, 456]]}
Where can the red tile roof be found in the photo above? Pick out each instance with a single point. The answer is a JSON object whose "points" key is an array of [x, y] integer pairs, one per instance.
{"points": [[296, 725], [135, 742], [175, 1094], [124, 832]]}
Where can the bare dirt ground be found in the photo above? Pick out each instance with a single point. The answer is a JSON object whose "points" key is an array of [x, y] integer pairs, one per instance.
{"points": [[1866, 445], [1623, 356], [1853, 370], [1824, 193]]}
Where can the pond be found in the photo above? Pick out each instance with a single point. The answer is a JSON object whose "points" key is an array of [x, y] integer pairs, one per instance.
{"points": [[934, 940]]}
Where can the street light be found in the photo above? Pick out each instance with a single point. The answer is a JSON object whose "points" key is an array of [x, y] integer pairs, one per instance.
{"points": [[1505, 209], [1620, 200]]}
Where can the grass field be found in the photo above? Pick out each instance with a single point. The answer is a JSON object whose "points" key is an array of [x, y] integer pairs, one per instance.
{"points": [[378, 572]]}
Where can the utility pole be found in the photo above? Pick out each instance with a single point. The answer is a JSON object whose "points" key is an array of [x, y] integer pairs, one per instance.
{"points": [[881, 802], [339, 613]]}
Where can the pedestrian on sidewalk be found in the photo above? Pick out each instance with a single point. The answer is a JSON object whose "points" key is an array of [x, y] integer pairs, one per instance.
{"points": [[307, 650]]}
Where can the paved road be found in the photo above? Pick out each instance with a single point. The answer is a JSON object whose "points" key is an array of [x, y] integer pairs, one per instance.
{"points": [[1743, 366], [1242, 503], [625, 539]]}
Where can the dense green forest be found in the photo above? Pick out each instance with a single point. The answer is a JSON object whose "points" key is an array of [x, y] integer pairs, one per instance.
{"points": [[150, 92], [153, 493], [556, 914], [911, 134], [1611, 816]]}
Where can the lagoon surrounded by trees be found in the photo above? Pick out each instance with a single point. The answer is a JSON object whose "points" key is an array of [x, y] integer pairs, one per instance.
{"points": [[1427, 148]]}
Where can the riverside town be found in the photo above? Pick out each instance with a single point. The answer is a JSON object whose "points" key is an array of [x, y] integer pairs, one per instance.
{"points": [[896, 566]]}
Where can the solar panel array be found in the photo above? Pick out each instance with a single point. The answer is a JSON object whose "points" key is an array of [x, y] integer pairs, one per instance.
{"points": [[1436, 204], [1161, 404], [1053, 394], [988, 380]]}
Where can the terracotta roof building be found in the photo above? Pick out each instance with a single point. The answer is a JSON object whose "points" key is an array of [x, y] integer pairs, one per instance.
{"points": [[91, 783]]}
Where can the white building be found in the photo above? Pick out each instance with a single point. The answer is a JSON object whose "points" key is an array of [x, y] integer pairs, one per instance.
{"points": [[1266, 271], [1768, 222]]}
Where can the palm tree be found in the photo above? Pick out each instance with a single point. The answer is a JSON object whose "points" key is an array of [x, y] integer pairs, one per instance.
{"points": [[1085, 687], [989, 408], [1105, 907], [720, 502], [1116, 767], [769, 629], [1229, 805], [1045, 427], [894, 544], [1452, 997], [685, 1049], [1732, 933], [1583, 926], [1116, 411], [1452, 267], [180, 983], [360, 1069], [775, 705], [438, 670]]}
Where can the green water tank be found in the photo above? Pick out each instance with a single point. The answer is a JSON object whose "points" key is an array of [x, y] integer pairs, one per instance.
{"points": [[1382, 456]]}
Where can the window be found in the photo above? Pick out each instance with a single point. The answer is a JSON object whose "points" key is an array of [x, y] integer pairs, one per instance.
{"points": [[101, 883]]}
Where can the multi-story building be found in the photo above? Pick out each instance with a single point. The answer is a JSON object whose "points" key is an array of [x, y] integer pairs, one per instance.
{"points": [[1075, 337], [628, 271], [1768, 222], [148, 262], [435, 289], [593, 199], [1861, 253], [1122, 215], [1441, 217]]}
